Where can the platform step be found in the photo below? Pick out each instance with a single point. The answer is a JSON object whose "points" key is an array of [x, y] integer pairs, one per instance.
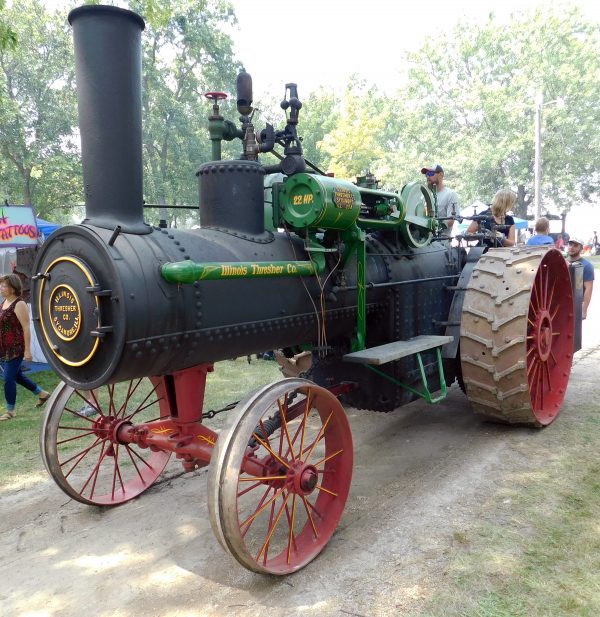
{"points": [[383, 354]]}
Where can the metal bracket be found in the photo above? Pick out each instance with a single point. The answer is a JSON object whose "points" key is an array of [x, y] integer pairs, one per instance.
{"points": [[426, 393]]}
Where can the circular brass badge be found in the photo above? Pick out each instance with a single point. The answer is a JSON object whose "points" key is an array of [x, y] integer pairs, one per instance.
{"points": [[65, 312]]}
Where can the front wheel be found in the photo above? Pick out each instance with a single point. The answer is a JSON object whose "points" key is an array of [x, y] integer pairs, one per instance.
{"points": [[279, 478], [80, 446]]}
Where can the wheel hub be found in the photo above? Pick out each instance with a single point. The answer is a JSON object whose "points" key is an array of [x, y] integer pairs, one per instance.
{"points": [[303, 478], [543, 335]]}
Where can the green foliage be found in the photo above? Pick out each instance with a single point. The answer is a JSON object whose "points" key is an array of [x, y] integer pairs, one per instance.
{"points": [[319, 116], [8, 38], [358, 141], [470, 104], [38, 144], [185, 55]]}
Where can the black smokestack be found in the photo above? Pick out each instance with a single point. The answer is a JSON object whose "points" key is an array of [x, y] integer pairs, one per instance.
{"points": [[108, 68]]}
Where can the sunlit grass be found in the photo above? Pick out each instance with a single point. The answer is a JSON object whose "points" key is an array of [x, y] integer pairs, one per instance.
{"points": [[20, 458], [535, 550]]}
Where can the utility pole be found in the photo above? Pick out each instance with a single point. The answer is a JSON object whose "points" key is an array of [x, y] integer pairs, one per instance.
{"points": [[537, 182]]}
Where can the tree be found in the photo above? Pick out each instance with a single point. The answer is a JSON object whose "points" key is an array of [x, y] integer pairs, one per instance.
{"points": [[318, 117], [37, 113], [470, 104], [186, 53], [360, 138], [8, 38]]}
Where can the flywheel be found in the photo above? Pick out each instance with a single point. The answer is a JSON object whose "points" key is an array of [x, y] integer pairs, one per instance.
{"points": [[516, 335]]}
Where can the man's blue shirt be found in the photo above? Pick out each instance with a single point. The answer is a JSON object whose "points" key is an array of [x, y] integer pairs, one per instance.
{"points": [[538, 239], [588, 270]]}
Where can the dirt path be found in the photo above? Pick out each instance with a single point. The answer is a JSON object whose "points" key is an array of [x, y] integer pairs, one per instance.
{"points": [[420, 473]]}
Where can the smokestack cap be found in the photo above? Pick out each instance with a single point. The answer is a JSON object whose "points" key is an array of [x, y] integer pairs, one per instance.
{"points": [[101, 9]]}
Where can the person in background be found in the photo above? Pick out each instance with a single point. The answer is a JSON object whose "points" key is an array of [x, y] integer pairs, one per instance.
{"points": [[574, 251], [15, 344], [560, 243], [447, 199], [498, 222], [542, 231]]}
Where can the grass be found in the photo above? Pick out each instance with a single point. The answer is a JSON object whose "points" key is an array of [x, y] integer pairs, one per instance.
{"points": [[535, 550], [595, 261], [20, 459]]}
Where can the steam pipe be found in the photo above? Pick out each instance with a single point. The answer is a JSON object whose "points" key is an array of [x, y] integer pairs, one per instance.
{"points": [[108, 69]]}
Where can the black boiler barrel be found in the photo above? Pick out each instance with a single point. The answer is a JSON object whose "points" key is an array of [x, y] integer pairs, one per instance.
{"points": [[109, 72]]}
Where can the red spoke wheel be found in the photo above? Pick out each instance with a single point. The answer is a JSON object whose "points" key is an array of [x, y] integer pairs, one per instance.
{"points": [[279, 478], [80, 447], [517, 335]]}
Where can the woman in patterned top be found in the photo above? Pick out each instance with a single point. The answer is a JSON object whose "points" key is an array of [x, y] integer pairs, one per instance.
{"points": [[15, 344], [499, 224]]}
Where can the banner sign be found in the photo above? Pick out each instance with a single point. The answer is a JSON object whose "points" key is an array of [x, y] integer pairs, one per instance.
{"points": [[18, 226]]}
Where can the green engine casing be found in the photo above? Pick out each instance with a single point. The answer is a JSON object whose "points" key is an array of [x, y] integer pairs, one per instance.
{"points": [[318, 202]]}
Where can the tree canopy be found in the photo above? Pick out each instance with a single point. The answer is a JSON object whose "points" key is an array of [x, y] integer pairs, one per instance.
{"points": [[468, 102], [8, 38]]}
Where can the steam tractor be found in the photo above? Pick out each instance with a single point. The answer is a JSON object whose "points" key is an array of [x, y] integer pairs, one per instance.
{"points": [[133, 317]]}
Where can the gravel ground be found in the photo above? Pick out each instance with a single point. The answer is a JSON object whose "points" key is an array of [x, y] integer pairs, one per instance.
{"points": [[420, 473]]}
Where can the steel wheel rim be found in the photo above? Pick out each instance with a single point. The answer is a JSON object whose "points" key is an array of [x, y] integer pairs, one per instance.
{"points": [[83, 454], [550, 327], [278, 525]]}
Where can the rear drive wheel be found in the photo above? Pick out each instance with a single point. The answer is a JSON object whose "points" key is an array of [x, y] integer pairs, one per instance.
{"points": [[516, 340]]}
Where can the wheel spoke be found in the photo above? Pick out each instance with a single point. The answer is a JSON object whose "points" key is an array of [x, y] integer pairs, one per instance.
{"points": [[262, 508], [82, 453], [116, 471], [291, 520], [544, 276], [328, 458], [535, 295], [551, 298], [272, 528], [79, 460], [95, 471], [548, 376], [63, 441], [319, 436], [250, 488], [267, 491], [111, 400], [309, 515], [130, 392], [322, 488], [284, 525], [304, 418], [282, 409], [262, 478], [269, 450]]}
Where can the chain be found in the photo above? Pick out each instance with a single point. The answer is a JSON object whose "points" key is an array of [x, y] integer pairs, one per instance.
{"points": [[211, 413]]}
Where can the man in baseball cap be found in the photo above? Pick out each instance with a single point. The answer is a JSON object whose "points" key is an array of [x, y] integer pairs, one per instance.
{"points": [[435, 169], [574, 255], [447, 199]]}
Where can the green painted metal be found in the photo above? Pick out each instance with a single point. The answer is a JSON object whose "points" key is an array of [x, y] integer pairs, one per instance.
{"points": [[426, 394], [420, 219], [220, 129], [320, 202], [361, 288], [189, 271]]}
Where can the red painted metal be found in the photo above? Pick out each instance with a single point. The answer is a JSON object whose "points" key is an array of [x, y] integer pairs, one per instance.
{"points": [[293, 484], [550, 328], [118, 453]]}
